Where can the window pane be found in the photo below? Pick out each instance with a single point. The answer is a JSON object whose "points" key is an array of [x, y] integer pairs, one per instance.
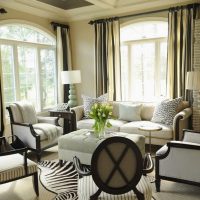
{"points": [[142, 71], [48, 82], [24, 33], [144, 30], [8, 73], [163, 68], [144, 60], [27, 74]]}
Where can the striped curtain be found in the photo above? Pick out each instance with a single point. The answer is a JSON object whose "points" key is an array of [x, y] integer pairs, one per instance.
{"points": [[64, 61], [1, 106], [180, 49], [107, 58]]}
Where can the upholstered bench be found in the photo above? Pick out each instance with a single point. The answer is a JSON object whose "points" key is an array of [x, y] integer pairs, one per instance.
{"points": [[82, 144]]}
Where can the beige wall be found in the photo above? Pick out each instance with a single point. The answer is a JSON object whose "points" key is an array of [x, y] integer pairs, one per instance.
{"points": [[82, 42], [16, 15]]}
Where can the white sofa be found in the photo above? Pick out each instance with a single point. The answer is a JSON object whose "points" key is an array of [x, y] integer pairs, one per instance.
{"points": [[168, 133]]}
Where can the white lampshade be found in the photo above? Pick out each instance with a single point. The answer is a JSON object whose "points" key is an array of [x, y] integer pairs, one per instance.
{"points": [[193, 80], [71, 77]]}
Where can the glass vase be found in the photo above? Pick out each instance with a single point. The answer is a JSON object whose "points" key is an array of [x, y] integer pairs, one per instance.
{"points": [[100, 129]]}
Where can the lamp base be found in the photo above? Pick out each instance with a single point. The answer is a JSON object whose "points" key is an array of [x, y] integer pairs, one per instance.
{"points": [[72, 96]]}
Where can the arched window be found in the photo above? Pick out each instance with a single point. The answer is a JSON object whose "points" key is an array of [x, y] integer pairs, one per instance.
{"points": [[144, 60], [28, 60]]}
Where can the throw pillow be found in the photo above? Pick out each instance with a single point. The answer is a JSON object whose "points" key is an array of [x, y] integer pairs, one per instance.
{"points": [[165, 111], [130, 112], [88, 102]]}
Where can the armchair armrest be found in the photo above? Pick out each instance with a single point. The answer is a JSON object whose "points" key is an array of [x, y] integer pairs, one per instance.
{"points": [[180, 122], [49, 120], [183, 145], [79, 111]]}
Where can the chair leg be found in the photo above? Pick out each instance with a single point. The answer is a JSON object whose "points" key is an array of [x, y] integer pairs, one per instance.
{"points": [[35, 183], [61, 163], [157, 183], [95, 195], [139, 195], [39, 156]]}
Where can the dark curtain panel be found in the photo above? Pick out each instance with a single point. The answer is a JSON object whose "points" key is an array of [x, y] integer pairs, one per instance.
{"points": [[107, 58], [63, 57], [180, 49], [2, 110]]}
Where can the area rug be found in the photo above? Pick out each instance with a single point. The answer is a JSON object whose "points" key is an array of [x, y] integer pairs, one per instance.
{"points": [[62, 181]]}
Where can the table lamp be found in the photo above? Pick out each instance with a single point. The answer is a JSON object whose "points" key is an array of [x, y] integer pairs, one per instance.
{"points": [[193, 80], [71, 77]]}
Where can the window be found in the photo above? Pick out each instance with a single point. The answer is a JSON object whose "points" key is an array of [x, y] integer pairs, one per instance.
{"points": [[144, 60], [27, 56]]}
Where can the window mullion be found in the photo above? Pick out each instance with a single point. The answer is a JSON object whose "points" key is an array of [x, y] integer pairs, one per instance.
{"points": [[16, 72], [38, 79], [157, 68]]}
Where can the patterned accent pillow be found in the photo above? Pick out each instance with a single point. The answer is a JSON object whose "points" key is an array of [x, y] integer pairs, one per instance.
{"points": [[165, 111], [88, 102]]}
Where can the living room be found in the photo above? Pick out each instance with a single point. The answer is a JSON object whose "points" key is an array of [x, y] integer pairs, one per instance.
{"points": [[151, 67]]}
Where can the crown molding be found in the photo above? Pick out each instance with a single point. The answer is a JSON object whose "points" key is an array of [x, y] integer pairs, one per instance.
{"points": [[101, 9]]}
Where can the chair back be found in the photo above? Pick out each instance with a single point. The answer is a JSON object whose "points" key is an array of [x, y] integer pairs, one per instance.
{"points": [[22, 112], [116, 165]]}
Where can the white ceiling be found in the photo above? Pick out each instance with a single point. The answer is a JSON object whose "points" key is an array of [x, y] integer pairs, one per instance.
{"points": [[99, 9]]}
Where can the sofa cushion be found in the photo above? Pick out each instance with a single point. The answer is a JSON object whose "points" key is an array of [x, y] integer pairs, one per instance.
{"points": [[88, 123], [88, 102], [130, 112], [133, 127], [147, 111], [165, 111]]}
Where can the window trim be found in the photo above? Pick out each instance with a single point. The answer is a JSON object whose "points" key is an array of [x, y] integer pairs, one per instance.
{"points": [[157, 41], [38, 47]]}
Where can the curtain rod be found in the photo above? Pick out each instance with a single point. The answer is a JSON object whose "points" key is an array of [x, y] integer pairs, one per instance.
{"points": [[145, 13], [54, 24]]}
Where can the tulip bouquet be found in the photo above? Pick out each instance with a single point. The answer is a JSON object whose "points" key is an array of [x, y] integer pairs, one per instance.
{"points": [[101, 113]]}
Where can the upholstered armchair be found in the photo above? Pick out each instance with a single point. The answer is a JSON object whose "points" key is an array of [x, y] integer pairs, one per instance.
{"points": [[37, 133], [179, 161]]}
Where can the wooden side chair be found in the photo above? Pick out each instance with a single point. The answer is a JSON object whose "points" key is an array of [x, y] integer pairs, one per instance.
{"points": [[14, 164], [116, 172]]}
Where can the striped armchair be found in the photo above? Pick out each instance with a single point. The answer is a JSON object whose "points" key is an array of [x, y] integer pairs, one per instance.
{"points": [[14, 164]]}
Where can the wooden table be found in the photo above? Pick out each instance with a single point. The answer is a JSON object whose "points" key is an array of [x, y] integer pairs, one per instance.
{"points": [[69, 119]]}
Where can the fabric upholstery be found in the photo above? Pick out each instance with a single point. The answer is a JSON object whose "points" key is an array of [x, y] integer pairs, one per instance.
{"points": [[88, 102], [133, 128], [178, 164], [28, 112], [50, 131], [193, 137], [12, 166], [130, 112], [82, 144], [87, 187], [17, 115], [165, 111]]}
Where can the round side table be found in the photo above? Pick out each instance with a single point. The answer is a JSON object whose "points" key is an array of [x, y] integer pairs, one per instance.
{"points": [[150, 129]]}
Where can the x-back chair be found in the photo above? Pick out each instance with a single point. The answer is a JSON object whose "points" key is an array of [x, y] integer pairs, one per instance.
{"points": [[116, 169]]}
